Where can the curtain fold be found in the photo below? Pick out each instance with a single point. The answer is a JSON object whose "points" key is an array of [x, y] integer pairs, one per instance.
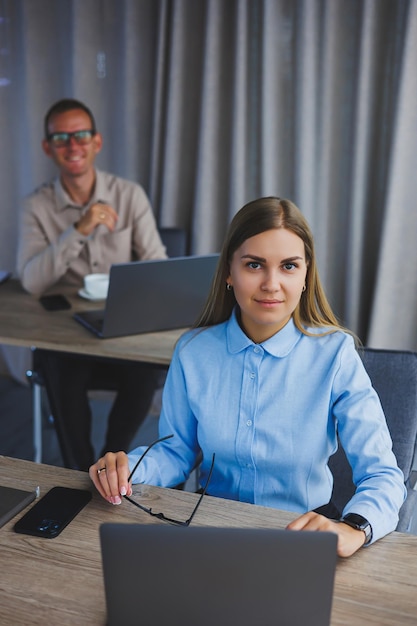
{"points": [[210, 103], [393, 321]]}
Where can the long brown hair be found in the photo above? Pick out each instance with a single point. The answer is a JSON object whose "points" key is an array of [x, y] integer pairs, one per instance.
{"points": [[254, 218]]}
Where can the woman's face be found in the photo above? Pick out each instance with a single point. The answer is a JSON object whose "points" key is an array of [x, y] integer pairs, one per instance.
{"points": [[268, 274]]}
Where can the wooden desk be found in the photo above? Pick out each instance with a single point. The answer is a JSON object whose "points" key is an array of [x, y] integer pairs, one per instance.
{"points": [[24, 322], [59, 581]]}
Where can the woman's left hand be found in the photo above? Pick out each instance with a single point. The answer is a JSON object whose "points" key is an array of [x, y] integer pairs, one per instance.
{"points": [[349, 539]]}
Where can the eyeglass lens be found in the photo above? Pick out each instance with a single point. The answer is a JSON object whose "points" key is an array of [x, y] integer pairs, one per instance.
{"points": [[81, 137]]}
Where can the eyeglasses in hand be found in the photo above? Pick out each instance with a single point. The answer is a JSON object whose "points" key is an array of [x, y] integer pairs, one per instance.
{"points": [[161, 516]]}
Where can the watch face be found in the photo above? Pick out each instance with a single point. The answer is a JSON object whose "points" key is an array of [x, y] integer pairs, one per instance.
{"points": [[360, 523]]}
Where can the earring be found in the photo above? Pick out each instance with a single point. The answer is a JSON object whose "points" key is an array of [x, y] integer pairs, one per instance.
{"points": [[304, 288], [228, 287]]}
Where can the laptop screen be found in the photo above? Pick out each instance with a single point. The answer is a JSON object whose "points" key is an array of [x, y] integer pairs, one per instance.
{"points": [[149, 296]]}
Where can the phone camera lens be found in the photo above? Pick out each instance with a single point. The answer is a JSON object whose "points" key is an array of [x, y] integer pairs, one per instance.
{"points": [[48, 525]]}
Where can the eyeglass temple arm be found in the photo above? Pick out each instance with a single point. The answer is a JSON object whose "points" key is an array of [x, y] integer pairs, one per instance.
{"points": [[203, 493], [145, 453]]}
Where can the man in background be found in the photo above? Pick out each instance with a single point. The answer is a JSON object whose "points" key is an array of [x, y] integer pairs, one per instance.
{"points": [[81, 223]]}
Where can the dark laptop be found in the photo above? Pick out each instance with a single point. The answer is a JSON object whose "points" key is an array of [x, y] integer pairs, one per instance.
{"points": [[148, 296], [159, 574]]}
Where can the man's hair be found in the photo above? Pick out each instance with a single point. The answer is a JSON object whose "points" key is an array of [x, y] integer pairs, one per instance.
{"points": [[62, 106]]}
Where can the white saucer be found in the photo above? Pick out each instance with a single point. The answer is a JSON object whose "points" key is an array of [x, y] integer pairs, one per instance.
{"points": [[84, 294]]}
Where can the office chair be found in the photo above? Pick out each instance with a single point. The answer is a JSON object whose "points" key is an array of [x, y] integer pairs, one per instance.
{"points": [[175, 241], [394, 376]]}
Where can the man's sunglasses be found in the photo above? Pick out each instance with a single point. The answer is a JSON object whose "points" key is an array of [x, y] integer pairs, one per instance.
{"points": [[81, 137], [161, 516]]}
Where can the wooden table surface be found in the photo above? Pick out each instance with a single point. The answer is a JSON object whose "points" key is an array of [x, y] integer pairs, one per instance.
{"points": [[59, 581], [24, 322]]}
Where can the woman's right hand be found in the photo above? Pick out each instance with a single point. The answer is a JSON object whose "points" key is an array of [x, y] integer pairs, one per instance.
{"points": [[110, 476]]}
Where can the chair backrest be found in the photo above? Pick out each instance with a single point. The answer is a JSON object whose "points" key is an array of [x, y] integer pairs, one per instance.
{"points": [[394, 376], [175, 241]]}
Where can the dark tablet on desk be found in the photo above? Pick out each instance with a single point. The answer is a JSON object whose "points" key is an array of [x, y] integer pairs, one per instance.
{"points": [[12, 501]]}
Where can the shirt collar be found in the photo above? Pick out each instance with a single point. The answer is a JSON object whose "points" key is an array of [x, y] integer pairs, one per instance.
{"points": [[279, 345], [63, 200], [100, 193]]}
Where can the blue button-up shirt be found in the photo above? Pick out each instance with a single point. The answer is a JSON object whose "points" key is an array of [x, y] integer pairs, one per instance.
{"points": [[271, 412]]}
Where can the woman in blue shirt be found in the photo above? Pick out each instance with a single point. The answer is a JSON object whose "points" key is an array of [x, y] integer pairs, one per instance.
{"points": [[266, 381]]}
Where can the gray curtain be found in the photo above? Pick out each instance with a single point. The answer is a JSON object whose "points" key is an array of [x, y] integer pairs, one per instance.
{"points": [[211, 103], [393, 321]]}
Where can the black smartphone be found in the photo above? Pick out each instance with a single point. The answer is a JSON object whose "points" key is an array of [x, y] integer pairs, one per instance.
{"points": [[55, 302], [48, 517]]}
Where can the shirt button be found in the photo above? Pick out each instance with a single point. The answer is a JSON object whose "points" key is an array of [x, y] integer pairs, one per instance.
{"points": [[249, 423], [252, 375], [256, 350]]}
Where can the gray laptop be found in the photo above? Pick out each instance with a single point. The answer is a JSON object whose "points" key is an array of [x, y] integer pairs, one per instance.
{"points": [[160, 574], [147, 296]]}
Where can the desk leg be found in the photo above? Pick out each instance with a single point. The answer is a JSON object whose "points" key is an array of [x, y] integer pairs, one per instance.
{"points": [[37, 423]]}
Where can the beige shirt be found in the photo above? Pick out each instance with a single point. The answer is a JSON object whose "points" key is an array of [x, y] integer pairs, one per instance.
{"points": [[51, 250]]}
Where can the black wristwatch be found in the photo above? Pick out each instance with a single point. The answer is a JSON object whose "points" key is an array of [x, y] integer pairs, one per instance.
{"points": [[360, 523]]}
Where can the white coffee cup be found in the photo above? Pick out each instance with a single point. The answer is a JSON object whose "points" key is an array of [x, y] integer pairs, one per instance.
{"points": [[96, 285]]}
